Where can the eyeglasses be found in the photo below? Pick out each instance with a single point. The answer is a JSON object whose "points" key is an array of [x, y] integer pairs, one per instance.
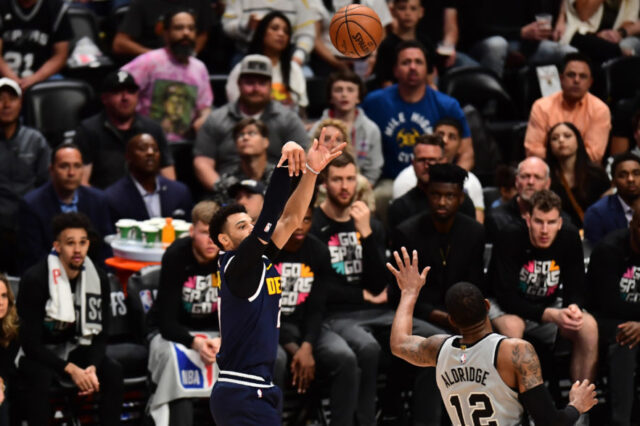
{"points": [[429, 161], [250, 133]]}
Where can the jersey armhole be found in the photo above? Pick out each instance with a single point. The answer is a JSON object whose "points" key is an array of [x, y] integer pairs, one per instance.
{"points": [[257, 293], [495, 353]]}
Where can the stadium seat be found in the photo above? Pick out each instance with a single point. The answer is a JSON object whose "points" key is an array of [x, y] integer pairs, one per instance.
{"points": [[316, 92], [490, 194], [142, 289], [621, 78], [56, 107], [218, 83], [83, 24]]}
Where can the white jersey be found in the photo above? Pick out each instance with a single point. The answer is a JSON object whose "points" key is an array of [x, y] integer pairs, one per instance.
{"points": [[471, 387]]}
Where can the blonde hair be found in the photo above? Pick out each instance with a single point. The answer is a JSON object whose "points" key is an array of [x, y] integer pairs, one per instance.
{"points": [[10, 321], [338, 124], [204, 211]]}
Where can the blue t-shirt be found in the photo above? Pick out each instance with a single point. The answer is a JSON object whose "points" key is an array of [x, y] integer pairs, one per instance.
{"points": [[401, 122]]}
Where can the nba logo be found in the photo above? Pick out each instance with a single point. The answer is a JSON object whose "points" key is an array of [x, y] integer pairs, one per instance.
{"points": [[147, 300]]}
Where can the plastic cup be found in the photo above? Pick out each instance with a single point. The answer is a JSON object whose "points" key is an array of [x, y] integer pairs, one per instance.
{"points": [[544, 20], [445, 49], [127, 229], [149, 234], [181, 228], [158, 222]]}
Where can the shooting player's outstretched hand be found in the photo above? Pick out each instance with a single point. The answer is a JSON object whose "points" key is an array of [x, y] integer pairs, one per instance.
{"points": [[293, 153], [408, 276], [323, 152]]}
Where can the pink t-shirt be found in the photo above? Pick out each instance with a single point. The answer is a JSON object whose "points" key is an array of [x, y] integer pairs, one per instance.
{"points": [[170, 92]]}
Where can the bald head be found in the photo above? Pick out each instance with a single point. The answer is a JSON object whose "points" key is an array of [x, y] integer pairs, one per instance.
{"points": [[143, 155], [532, 176]]}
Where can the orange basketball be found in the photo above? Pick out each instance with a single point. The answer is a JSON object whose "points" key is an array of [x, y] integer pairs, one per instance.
{"points": [[355, 30]]}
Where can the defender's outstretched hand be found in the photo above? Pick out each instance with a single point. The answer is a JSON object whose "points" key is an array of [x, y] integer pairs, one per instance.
{"points": [[408, 276], [294, 153], [322, 153]]}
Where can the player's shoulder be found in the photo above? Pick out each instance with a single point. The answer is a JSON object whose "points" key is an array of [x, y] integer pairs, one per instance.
{"points": [[516, 351]]}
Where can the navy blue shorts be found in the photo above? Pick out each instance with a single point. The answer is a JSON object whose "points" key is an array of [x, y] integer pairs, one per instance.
{"points": [[233, 404]]}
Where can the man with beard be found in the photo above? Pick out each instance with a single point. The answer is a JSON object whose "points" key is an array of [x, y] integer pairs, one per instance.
{"points": [[614, 211], [103, 137], [357, 302], [215, 151], [64, 308], [448, 241], [163, 73], [143, 193]]}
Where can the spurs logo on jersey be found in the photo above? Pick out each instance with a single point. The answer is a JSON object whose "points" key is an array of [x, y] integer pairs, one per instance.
{"points": [[346, 254], [539, 278], [297, 280], [471, 387], [628, 285], [200, 294]]}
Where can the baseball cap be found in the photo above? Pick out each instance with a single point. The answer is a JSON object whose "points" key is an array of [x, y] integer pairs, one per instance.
{"points": [[249, 185], [4, 81], [117, 80], [257, 65]]}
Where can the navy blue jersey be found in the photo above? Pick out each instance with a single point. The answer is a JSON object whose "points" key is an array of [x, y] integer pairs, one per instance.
{"points": [[249, 327]]}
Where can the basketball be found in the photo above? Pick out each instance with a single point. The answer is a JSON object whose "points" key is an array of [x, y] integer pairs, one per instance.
{"points": [[355, 30]]}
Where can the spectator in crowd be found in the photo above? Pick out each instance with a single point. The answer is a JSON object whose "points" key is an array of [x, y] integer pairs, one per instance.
{"points": [[103, 137], [9, 345], [186, 313], [144, 193], [326, 58], [427, 151], [315, 352], [356, 304], [250, 194], [407, 15], [538, 282], [60, 340], [614, 269], [451, 133], [35, 39], [577, 181], [407, 110], [174, 86], [573, 104], [24, 163], [493, 29], [272, 39], [450, 242], [614, 211], [601, 29], [252, 141], [241, 19], [215, 152], [143, 26], [625, 131], [62, 194], [505, 181], [345, 91]]}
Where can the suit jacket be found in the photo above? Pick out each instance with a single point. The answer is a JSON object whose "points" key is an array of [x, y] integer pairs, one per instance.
{"points": [[604, 216], [41, 205], [125, 200]]}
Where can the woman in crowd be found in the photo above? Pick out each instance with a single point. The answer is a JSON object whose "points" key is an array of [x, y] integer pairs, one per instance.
{"points": [[272, 38], [577, 181], [8, 343]]}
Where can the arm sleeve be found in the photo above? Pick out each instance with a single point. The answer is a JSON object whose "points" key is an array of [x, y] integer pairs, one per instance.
{"points": [[596, 135], [169, 299], [234, 21], [374, 271], [62, 27], [539, 404], [573, 289], [317, 298], [166, 156], [99, 343], [534, 139], [304, 30]]}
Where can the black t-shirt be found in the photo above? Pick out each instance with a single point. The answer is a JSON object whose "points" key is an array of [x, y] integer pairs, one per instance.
{"points": [[357, 263], [432, 23], [614, 278], [526, 280], [28, 35], [104, 146], [305, 275], [188, 294], [143, 21]]}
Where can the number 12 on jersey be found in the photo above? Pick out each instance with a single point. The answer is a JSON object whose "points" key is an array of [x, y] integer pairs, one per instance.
{"points": [[478, 405]]}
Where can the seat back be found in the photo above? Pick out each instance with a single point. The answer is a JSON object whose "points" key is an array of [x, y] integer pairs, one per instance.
{"points": [[481, 88], [14, 283], [83, 24], [142, 290], [218, 86], [56, 107], [621, 78], [119, 328], [316, 92]]}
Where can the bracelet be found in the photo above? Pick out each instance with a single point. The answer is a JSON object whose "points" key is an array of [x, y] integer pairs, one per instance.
{"points": [[311, 170]]}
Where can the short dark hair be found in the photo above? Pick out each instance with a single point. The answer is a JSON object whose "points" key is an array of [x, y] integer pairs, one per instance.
{"points": [[410, 44], [248, 121], [578, 57], [545, 200], [465, 304], [429, 139], [345, 75], [341, 161], [621, 158], [448, 121], [66, 145], [71, 220], [168, 17], [447, 173], [505, 176], [219, 220]]}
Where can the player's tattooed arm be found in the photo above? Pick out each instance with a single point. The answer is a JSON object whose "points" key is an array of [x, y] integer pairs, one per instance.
{"points": [[418, 350], [527, 365]]}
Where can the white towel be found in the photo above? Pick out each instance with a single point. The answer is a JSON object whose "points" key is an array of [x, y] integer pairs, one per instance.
{"points": [[61, 303]]}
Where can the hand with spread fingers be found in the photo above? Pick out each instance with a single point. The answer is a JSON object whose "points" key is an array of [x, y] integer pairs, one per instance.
{"points": [[322, 153], [407, 275]]}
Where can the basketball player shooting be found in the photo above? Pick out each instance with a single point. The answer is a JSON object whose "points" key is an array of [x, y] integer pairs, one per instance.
{"points": [[249, 297], [478, 371]]}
